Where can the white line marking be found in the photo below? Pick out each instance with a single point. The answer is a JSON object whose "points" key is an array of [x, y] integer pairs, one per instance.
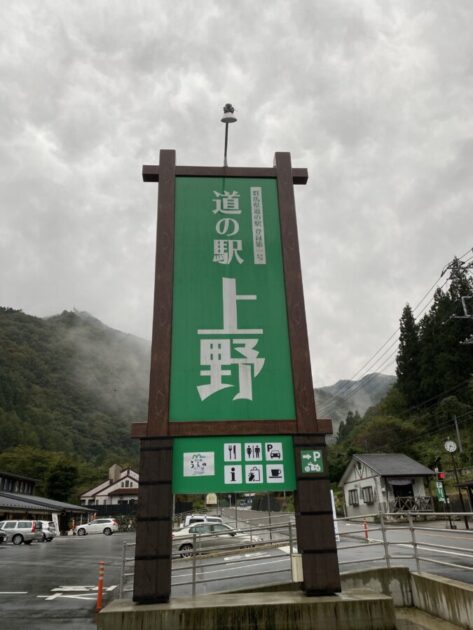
{"points": [[256, 554], [287, 549], [48, 598], [207, 572], [448, 553]]}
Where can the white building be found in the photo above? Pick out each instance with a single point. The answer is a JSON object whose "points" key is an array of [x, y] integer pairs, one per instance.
{"points": [[121, 487], [385, 482]]}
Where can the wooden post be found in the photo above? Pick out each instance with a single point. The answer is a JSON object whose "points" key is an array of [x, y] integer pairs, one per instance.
{"points": [[154, 523], [314, 522]]}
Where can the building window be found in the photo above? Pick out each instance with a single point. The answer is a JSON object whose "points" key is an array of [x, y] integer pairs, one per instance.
{"points": [[353, 497], [367, 494]]}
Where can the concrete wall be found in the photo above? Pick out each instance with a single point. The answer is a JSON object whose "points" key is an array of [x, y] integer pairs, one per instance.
{"points": [[394, 582], [450, 600], [357, 610], [365, 603], [444, 598]]}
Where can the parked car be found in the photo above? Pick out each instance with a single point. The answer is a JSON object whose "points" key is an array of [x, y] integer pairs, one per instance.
{"points": [[22, 531], [49, 531], [192, 519], [2, 536], [209, 537], [99, 526]]}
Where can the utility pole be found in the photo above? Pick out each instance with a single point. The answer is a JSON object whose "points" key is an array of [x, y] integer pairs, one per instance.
{"points": [[450, 446], [460, 447]]}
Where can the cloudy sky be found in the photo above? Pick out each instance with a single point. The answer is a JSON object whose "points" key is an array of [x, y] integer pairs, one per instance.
{"points": [[373, 97]]}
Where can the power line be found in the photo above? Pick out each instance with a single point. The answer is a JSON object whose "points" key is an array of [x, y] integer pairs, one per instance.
{"points": [[438, 429], [434, 399], [356, 386], [432, 431], [351, 388]]}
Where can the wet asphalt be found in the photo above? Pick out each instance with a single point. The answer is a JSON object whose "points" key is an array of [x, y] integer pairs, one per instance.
{"points": [[54, 585]]}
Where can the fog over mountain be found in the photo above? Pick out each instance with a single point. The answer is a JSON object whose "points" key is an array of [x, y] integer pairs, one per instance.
{"points": [[70, 383], [335, 401]]}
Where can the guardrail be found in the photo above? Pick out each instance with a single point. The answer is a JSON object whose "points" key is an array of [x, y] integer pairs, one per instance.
{"points": [[411, 517], [281, 540], [275, 536]]}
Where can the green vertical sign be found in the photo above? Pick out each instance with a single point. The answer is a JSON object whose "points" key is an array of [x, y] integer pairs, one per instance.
{"points": [[440, 491], [230, 344]]}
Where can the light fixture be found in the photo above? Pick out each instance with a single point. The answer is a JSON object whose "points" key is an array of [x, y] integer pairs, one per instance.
{"points": [[227, 118]]}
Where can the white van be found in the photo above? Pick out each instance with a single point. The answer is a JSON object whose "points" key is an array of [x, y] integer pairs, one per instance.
{"points": [[191, 519]]}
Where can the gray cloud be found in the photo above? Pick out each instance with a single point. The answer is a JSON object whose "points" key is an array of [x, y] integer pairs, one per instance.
{"points": [[374, 98]]}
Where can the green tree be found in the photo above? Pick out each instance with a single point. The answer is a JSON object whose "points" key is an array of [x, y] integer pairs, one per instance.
{"points": [[446, 364], [385, 435], [347, 426], [61, 481], [408, 359]]}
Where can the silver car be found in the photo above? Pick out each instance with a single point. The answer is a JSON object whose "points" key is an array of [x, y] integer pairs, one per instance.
{"points": [[22, 531], [49, 531], [99, 526], [207, 537]]}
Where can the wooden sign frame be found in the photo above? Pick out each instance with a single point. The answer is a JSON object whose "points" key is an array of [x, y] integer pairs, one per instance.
{"points": [[316, 538]]}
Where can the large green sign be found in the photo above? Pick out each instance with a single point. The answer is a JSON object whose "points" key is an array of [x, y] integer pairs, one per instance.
{"points": [[233, 464], [230, 345]]}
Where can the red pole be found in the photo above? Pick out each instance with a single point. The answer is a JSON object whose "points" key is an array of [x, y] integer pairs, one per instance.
{"points": [[365, 527], [100, 585]]}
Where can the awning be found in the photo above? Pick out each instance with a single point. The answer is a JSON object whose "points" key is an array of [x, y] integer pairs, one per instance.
{"points": [[399, 481]]}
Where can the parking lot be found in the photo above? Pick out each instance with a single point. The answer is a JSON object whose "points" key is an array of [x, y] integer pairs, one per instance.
{"points": [[48, 585]]}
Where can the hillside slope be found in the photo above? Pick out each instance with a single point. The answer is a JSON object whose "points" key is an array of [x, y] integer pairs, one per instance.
{"points": [[69, 383], [335, 401]]}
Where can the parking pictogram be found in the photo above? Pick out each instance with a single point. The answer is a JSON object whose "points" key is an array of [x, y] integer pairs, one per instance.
{"points": [[312, 462]]}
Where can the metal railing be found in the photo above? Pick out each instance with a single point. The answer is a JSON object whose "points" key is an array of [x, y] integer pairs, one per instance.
{"points": [[194, 567], [412, 504], [382, 527], [259, 539]]}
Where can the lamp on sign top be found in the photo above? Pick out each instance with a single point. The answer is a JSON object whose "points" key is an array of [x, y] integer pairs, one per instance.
{"points": [[228, 114], [227, 118]]}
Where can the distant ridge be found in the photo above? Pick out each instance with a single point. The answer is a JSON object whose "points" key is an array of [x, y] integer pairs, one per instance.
{"points": [[71, 383], [335, 401]]}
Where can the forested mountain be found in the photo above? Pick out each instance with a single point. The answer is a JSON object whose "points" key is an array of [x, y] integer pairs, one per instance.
{"points": [[70, 387], [69, 383], [434, 384], [336, 401]]}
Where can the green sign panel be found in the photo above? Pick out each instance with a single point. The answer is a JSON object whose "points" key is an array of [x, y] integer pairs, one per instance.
{"points": [[440, 491], [230, 344], [233, 464], [312, 461]]}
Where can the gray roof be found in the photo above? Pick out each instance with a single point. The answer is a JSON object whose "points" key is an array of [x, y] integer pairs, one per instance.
{"points": [[39, 503], [15, 476], [394, 465], [10, 503]]}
